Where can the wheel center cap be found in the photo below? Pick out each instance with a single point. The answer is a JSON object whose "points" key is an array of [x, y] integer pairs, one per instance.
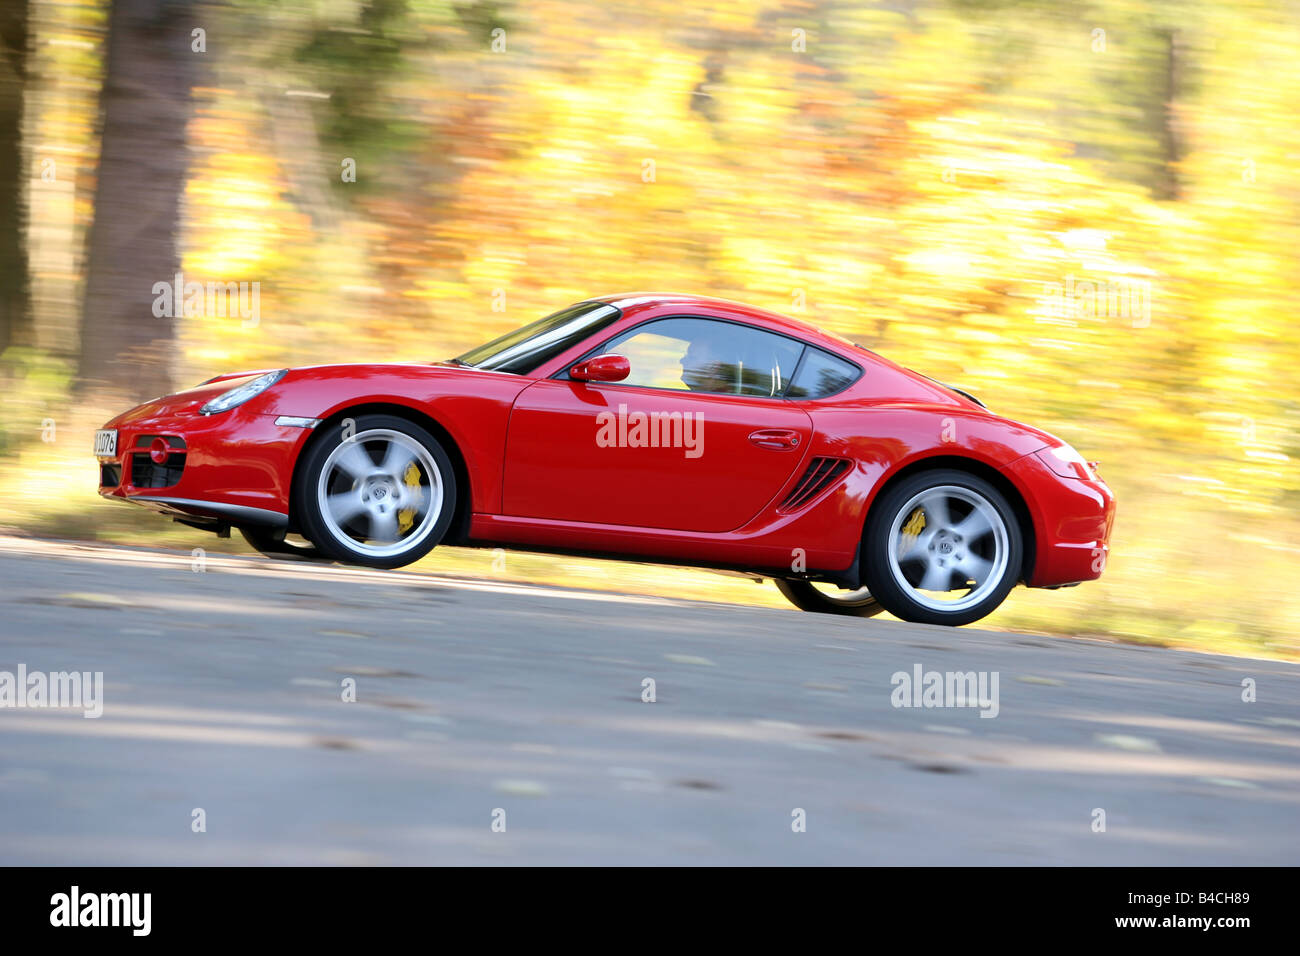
{"points": [[945, 547]]}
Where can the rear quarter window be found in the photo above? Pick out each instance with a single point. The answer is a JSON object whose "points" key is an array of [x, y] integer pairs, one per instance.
{"points": [[821, 374]]}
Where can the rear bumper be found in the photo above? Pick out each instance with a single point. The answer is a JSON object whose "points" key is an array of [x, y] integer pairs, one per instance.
{"points": [[1072, 518], [236, 468]]}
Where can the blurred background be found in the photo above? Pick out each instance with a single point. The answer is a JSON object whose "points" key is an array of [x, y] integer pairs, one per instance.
{"points": [[1085, 213]]}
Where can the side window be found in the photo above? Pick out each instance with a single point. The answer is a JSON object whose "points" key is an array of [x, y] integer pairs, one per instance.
{"points": [[822, 374], [706, 355]]}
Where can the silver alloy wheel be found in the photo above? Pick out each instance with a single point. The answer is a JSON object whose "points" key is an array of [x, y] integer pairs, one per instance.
{"points": [[365, 488], [948, 553], [837, 595]]}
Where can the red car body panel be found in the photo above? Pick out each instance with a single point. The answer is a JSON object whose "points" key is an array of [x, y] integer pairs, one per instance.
{"points": [[538, 479], [552, 438]]}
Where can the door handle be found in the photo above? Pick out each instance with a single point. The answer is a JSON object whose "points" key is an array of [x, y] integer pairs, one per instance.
{"points": [[779, 438]]}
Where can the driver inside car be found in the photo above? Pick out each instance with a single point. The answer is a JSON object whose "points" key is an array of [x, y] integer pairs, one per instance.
{"points": [[706, 367]]}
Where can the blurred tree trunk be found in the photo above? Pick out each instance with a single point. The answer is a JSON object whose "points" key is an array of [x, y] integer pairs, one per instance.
{"points": [[133, 241], [1167, 132], [13, 252]]}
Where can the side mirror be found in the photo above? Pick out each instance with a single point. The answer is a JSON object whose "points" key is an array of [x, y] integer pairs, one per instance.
{"points": [[602, 368]]}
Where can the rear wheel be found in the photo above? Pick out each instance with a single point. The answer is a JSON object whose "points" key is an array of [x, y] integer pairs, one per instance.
{"points": [[381, 493], [829, 599], [942, 547]]}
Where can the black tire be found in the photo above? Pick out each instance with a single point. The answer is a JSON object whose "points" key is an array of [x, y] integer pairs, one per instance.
{"points": [[806, 597], [271, 542], [347, 540], [945, 548]]}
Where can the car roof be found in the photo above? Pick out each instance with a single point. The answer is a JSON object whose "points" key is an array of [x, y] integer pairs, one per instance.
{"points": [[631, 302]]}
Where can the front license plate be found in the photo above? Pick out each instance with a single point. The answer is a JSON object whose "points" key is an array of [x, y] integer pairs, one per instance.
{"points": [[106, 442]]}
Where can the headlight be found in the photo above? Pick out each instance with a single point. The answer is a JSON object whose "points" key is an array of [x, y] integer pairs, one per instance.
{"points": [[237, 396], [1067, 462]]}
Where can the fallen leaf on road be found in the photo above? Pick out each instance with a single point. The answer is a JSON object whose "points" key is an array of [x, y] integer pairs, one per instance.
{"points": [[521, 788], [1129, 742], [1229, 782]]}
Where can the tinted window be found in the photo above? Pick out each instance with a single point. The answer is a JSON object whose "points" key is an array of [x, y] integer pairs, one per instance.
{"points": [[822, 374], [524, 349], [706, 355]]}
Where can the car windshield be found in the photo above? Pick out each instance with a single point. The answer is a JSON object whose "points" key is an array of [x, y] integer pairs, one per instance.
{"points": [[523, 350]]}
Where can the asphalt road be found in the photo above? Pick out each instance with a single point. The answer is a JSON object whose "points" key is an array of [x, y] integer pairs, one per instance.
{"points": [[223, 692]]}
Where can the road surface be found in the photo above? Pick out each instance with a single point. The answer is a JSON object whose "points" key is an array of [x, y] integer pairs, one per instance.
{"points": [[505, 724]]}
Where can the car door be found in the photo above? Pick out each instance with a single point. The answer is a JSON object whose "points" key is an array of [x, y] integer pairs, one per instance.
{"points": [[697, 438]]}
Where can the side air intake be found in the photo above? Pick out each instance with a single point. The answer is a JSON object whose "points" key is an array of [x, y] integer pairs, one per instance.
{"points": [[821, 474]]}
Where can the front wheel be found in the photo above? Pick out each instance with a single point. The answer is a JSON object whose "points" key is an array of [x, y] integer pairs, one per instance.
{"points": [[942, 547], [380, 493], [828, 599]]}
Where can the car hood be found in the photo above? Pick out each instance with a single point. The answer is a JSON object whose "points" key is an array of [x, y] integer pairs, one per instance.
{"points": [[190, 401]]}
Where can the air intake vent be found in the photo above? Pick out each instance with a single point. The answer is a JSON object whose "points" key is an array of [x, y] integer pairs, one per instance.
{"points": [[146, 474], [821, 474]]}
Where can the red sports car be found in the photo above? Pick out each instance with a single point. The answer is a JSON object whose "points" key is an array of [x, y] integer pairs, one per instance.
{"points": [[668, 428]]}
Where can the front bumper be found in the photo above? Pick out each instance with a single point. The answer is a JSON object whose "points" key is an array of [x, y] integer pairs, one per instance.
{"points": [[1073, 518], [234, 468]]}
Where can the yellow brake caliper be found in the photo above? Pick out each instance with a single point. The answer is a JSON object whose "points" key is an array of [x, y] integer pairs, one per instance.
{"points": [[406, 517], [912, 527]]}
